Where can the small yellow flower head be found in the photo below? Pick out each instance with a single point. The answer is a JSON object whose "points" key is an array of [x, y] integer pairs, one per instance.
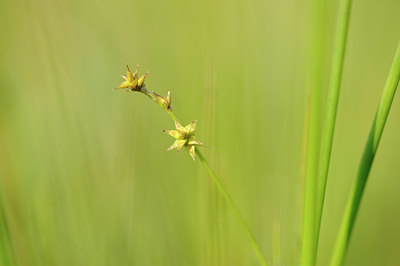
{"points": [[184, 138], [132, 82]]}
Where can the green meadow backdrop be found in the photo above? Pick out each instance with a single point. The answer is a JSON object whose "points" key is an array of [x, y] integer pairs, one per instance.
{"points": [[85, 177]]}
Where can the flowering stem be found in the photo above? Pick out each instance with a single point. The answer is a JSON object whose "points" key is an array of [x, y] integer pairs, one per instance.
{"points": [[185, 137], [154, 98], [222, 190], [234, 208]]}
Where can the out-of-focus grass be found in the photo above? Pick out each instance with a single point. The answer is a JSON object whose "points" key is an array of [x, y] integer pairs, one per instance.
{"points": [[367, 159], [316, 179], [84, 173]]}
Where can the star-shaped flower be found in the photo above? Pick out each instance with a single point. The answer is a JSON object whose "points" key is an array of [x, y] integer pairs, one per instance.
{"points": [[132, 82], [184, 138]]}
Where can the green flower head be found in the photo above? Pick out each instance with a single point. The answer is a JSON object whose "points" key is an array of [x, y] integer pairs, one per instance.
{"points": [[184, 137]]}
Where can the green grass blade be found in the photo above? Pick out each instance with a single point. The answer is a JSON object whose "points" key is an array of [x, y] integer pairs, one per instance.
{"points": [[371, 146], [233, 207], [315, 54], [331, 111]]}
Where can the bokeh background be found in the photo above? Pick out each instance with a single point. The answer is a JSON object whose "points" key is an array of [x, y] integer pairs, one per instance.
{"points": [[85, 176]]}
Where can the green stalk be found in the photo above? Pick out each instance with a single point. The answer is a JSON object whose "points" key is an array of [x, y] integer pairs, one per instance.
{"points": [[224, 193], [354, 201], [308, 234], [315, 54], [222, 190], [331, 110]]}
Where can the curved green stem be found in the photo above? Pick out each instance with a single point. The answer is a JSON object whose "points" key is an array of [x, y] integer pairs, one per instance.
{"points": [[217, 182], [233, 207], [354, 201]]}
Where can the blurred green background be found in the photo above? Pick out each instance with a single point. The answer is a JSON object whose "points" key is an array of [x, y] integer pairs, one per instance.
{"points": [[85, 176]]}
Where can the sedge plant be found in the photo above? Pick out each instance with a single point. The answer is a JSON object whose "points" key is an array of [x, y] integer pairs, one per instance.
{"points": [[185, 138]]}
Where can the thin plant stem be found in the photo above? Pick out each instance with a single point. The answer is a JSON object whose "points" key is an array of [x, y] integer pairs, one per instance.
{"points": [[331, 110], [222, 190], [354, 201], [228, 199], [315, 53]]}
